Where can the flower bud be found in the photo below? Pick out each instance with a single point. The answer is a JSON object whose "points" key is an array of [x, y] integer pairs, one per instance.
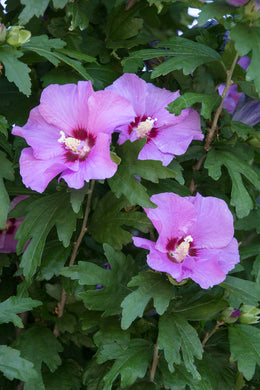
{"points": [[230, 315], [250, 314], [2, 33], [17, 36]]}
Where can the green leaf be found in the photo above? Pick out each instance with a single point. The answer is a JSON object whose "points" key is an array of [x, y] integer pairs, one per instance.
{"points": [[216, 10], [80, 13], [124, 183], [75, 65], [15, 367], [202, 309], [247, 39], [247, 292], [109, 216], [77, 55], [39, 345], [242, 129], [14, 305], [41, 216], [181, 378], [175, 333], [151, 285], [59, 3], [43, 46], [188, 99], [131, 362], [66, 377], [109, 298], [6, 172], [54, 258], [252, 221], [16, 71], [182, 54], [236, 167], [32, 8], [245, 348], [3, 126]]}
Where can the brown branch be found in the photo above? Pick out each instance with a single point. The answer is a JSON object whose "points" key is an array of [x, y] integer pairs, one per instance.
{"points": [[196, 167], [155, 360], [213, 128], [83, 230], [209, 334]]}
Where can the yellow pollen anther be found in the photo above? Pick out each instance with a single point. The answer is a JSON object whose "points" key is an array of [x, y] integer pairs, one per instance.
{"points": [[72, 143], [181, 250], [145, 127]]}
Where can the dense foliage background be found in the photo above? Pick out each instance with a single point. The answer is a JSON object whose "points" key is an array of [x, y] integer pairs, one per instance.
{"points": [[70, 321]]}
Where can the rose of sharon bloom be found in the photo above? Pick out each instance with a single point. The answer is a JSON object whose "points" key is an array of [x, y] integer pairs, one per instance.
{"points": [[237, 3], [70, 132], [195, 238], [167, 135], [7, 240]]}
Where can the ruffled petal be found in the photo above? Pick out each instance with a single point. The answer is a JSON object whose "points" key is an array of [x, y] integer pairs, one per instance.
{"points": [[151, 152], [65, 106], [157, 99], [157, 260], [207, 273], [176, 139], [108, 111], [173, 218], [214, 225], [73, 179], [132, 88], [37, 174], [41, 136]]}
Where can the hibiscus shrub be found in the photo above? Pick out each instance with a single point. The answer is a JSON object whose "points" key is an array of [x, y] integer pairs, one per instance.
{"points": [[129, 136]]}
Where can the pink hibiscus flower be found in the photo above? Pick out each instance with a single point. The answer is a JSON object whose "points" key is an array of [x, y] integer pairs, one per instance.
{"points": [[7, 240], [70, 132], [195, 238], [167, 135]]}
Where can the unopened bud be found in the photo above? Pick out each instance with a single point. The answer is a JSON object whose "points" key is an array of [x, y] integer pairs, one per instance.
{"points": [[230, 315], [2, 33], [17, 36], [250, 314]]}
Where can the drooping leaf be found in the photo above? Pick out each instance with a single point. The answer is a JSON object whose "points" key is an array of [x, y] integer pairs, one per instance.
{"points": [[252, 221], [14, 366], [124, 182], [151, 285], [175, 333], [183, 54], [6, 172], [245, 348], [214, 10], [54, 258], [66, 377], [113, 281], [131, 361], [15, 70], [59, 3], [32, 8], [242, 129], [39, 345], [80, 13], [208, 103], [246, 292], [109, 216], [74, 64], [44, 46], [14, 305], [42, 215], [236, 167], [247, 39]]}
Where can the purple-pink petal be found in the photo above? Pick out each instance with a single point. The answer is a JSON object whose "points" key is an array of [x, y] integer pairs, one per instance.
{"points": [[37, 174], [65, 106], [214, 225], [107, 111], [195, 238]]}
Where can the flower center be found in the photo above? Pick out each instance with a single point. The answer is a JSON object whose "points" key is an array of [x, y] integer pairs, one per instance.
{"points": [[74, 145], [181, 251], [9, 226], [145, 127]]}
